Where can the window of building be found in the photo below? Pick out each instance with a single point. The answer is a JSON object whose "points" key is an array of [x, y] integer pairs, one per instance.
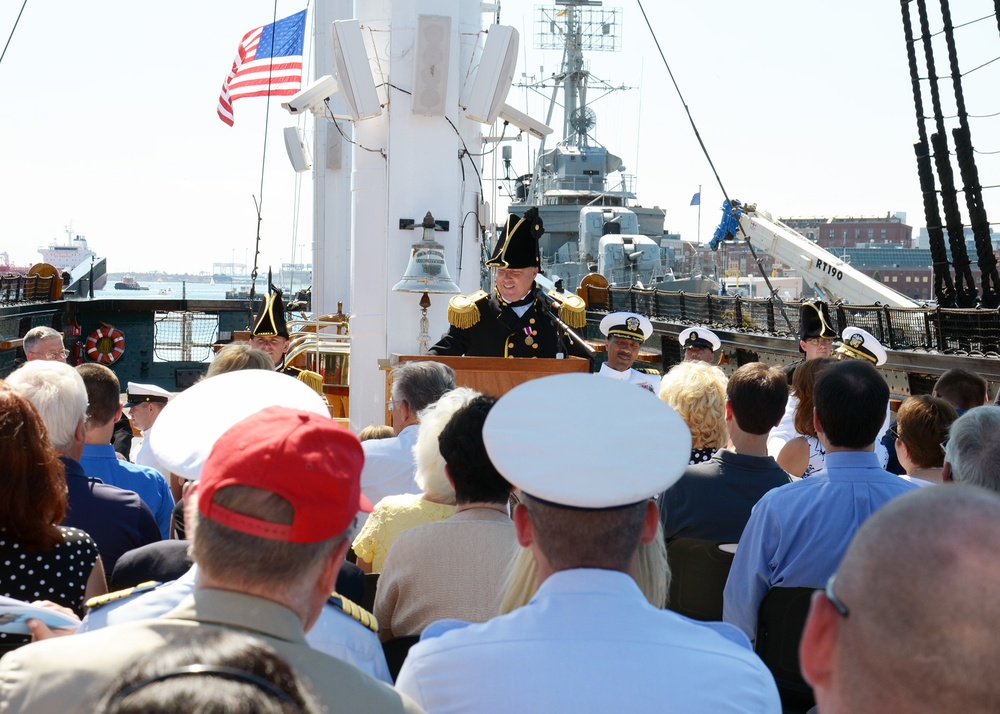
{"points": [[909, 279], [882, 234], [895, 278], [871, 234], [885, 279], [924, 279], [831, 234], [857, 233]]}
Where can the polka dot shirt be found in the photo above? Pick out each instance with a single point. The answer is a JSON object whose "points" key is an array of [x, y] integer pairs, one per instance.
{"points": [[701, 455], [59, 574]]}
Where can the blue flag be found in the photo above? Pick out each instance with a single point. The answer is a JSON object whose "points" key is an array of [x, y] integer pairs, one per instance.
{"points": [[696, 199]]}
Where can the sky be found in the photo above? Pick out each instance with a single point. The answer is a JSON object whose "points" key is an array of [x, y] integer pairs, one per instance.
{"points": [[108, 122]]}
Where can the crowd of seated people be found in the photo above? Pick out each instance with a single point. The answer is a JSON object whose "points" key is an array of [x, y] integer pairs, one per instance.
{"points": [[555, 553]]}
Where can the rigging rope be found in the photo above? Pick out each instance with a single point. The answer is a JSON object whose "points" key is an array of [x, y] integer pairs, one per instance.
{"points": [[259, 204], [11, 36], [718, 179]]}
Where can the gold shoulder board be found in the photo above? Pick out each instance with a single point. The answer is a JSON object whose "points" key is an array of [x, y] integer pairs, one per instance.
{"points": [[573, 311], [463, 312], [314, 380], [352, 609], [101, 600]]}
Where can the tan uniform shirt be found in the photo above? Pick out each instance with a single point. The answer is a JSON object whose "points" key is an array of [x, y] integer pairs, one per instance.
{"points": [[68, 674]]}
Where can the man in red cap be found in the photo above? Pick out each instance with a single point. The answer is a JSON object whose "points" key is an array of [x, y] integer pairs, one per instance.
{"points": [[274, 506]]}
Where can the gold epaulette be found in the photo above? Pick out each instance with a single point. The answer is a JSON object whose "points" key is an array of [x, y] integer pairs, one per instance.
{"points": [[313, 380], [463, 312], [648, 370], [101, 600], [352, 609], [572, 310]]}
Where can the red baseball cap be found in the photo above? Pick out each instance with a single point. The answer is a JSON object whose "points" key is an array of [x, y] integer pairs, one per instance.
{"points": [[308, 459]]}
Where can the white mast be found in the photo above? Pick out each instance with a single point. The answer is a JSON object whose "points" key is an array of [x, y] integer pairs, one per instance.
{"points": [[402, 165]]}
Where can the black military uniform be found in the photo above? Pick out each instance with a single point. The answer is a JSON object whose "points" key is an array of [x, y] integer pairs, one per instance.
{"points": [[814, 321], [485, 325], [271, 322]]}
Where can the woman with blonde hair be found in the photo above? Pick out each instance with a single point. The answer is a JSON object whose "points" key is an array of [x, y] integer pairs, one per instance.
{"points": [[697, 392], [804, 454], [436, 502], [652, 575]]}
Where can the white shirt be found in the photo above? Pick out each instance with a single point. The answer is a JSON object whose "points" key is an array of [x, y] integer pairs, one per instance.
{"points": [[390, 465], [633, 376], [588, 642], [335, 633]]}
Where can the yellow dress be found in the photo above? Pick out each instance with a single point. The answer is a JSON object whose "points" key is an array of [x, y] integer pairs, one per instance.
{"points": [[390, 517]]}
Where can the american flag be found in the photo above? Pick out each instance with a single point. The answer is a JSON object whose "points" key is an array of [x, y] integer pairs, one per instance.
{"points": [[268, 64]]}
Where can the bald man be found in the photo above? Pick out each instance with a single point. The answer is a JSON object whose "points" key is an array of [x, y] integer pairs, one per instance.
{"points": [[911, 621]]}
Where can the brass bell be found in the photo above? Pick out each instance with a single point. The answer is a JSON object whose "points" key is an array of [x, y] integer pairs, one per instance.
{"points": [[427, 271]]}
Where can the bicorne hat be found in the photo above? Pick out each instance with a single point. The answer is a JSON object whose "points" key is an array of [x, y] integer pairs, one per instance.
{"points": [[517, 246]]}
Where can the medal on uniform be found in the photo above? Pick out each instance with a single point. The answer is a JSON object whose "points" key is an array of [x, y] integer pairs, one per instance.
{"points": [[529, 340]]}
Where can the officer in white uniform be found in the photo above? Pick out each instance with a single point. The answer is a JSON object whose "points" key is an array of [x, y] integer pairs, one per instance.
{"points": [[183, 441], [626, 332], [588, 624], [145, 402], [699, 343]]}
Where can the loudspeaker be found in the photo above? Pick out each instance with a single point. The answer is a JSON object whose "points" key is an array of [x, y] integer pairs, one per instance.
{"points": [[334, 147], [354, 73], [298, 152], [495, 73], [430, 64]]}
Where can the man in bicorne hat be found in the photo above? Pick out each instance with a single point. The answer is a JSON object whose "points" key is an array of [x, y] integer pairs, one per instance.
{"points": [[700, 344], [626, 331], [512, 322], [270, 334], [816, 336]]}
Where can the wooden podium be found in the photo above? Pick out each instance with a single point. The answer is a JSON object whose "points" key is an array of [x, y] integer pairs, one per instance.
{"points": [[492, 375]]}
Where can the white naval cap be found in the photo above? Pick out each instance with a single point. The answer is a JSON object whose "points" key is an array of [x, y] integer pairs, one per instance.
{"points": [[700, 337], [571, 462], [190, 424], [861, 344], [628, 325], [140, 393]]}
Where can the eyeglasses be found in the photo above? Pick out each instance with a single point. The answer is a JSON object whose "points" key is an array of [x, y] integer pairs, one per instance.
{"points": [[839, 606], [819, 340], [894, 430], [58, 354]]}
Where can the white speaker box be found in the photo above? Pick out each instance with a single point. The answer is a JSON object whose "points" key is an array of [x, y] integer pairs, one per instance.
{"points": [[431, 58], [298, 152], [494, 76], [353, 72], [334, 147]]}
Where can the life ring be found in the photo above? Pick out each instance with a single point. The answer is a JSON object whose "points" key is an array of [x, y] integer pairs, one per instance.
{"points": [[106, 344]]}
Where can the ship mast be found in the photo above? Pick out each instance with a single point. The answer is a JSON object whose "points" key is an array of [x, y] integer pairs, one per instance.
{"points": [[574, 75]]}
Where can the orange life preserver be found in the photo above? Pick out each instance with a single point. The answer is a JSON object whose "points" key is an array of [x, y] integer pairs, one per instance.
{"points": [[106, 344]]}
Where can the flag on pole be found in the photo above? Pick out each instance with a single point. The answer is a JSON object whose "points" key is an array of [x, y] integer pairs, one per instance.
{"points": [[696, 199], [268, 64]]}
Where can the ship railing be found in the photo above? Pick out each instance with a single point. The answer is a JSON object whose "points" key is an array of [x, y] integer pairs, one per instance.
{"points": [[27, 288], [964, 331], [325, 352]]}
